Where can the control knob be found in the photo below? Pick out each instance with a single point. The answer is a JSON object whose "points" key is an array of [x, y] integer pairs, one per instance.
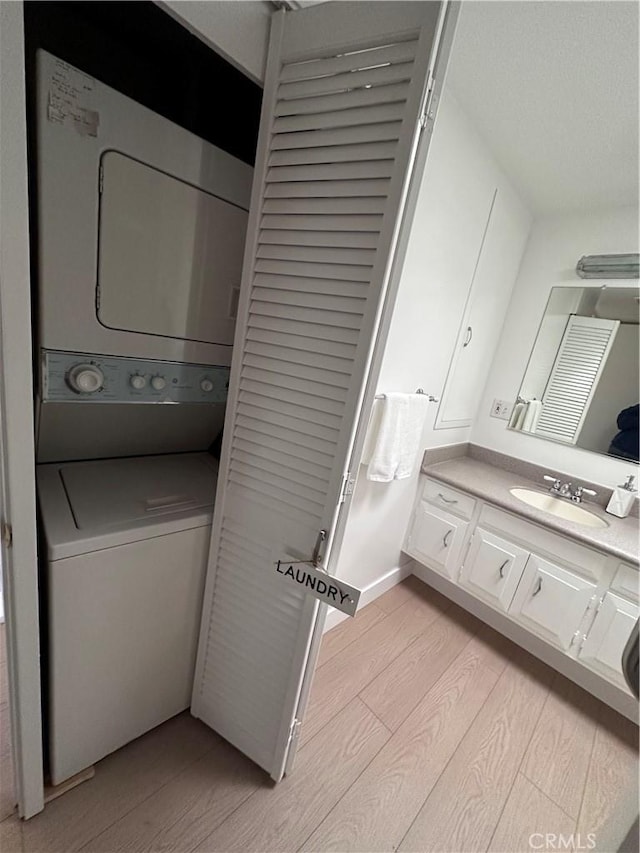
{"points": [[206, 385], [85, 378], [138, 381], [158, 383]]}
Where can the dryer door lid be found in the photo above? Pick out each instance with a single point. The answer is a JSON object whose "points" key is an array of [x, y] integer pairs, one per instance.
{"points": [[116, 492]]}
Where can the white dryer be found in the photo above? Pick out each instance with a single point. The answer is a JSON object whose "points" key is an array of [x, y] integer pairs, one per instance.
{"points": [[141, 230], [127, 543]]}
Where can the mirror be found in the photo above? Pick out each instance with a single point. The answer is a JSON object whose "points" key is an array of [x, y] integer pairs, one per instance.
{"points": [[581, 383]]}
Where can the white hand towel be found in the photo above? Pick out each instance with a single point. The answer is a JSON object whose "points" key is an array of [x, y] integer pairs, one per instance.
{"points": [[398, 438], [516, 415], [532, 416]]}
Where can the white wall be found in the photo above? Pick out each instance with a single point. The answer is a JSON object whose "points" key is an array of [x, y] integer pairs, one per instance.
{"points": [[457, 187], [555, 245], [236, 29]]}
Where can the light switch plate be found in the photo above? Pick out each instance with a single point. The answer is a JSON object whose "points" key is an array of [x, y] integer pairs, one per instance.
{"points": [[501, 409]]}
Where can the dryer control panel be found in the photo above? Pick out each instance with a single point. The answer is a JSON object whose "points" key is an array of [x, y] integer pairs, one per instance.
{"points": [[79, 377]]}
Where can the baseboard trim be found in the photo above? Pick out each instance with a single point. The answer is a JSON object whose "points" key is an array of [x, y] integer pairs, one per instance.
{"points": [[371, 592]]}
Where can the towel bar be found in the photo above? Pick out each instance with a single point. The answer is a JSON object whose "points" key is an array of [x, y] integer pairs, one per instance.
{"points": [[419, 391]]}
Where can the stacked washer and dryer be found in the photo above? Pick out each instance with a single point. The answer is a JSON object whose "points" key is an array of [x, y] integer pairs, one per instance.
{"points": [[141, 229]]}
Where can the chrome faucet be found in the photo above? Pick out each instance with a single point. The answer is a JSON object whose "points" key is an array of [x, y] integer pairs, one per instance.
{"points": [[558, 487], [568, 490], [576, 497]]}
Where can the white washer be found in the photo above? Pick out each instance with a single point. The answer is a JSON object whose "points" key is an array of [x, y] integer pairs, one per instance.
{"points": [[127, 547]]}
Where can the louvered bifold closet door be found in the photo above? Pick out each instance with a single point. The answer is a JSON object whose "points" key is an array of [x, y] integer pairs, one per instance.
{"points": [[574, 377], [337, 137]]}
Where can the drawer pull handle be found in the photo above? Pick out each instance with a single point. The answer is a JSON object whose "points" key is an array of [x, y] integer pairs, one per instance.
{"points": [[468, 336], [503, 567], [538, 588], [447, 500], [445, 538]]}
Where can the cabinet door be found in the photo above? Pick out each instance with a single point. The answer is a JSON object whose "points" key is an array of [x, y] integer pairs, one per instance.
{"points": [[493, 568], [605, 642], [436, 538], [551, 601], [505, 235]]}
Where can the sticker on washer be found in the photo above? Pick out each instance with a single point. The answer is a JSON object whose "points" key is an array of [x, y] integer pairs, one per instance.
{"points": [[320, 585], [69, 99]]}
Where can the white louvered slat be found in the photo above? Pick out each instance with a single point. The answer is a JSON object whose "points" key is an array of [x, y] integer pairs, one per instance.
{"points": [[314, 269], [344, 100], [337, 136], [301, 357], [286, 409], [316, 330], [370, 205], [574, 377], [306, 315], [318, 254], [366, 152], [349, 223], [326, 239], [326, 84], [328, 189], [373, 58], [334, 153], [377, 114], [375, 168]]}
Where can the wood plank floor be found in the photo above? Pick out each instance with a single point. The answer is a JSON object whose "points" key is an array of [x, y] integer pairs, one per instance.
{"points": [[425, 731]]}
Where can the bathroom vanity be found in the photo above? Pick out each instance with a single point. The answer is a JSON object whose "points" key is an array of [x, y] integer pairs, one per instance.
{"points": [[566, 591]]}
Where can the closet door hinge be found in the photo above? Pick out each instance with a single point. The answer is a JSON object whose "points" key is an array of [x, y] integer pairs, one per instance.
{"points": [[348, 483], [429, 112], [577, 640], [294, 732], [6, 534]]}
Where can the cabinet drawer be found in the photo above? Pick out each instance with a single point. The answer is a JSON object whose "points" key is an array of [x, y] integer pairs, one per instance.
{"points": [[603, 647], [551, 601], [626, 581], [448, 499], [551, 545], [436, 538], [493, 568]]}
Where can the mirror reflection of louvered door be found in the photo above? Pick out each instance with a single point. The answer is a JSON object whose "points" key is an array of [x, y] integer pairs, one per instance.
{"points": [[338, 135], [574, 377]]}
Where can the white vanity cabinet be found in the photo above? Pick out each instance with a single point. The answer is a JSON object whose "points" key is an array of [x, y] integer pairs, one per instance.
{"points": [[564, 601], [492, 568], [552, 601]]}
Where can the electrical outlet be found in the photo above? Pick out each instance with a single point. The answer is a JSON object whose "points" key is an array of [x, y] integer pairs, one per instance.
{"points": [[501, 409]]}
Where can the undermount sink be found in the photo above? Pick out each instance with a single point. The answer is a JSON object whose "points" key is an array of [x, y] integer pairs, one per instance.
{"points": [[558, 507]]}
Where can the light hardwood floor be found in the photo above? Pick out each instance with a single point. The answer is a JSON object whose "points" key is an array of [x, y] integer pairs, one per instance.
{"points": [[426, 731]]}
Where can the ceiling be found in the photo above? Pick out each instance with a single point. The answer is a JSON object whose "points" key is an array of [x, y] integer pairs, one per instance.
{"points": [[552, 87]]}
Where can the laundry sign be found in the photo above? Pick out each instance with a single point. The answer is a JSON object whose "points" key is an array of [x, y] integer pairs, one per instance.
{"points": [[320, 585]]}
